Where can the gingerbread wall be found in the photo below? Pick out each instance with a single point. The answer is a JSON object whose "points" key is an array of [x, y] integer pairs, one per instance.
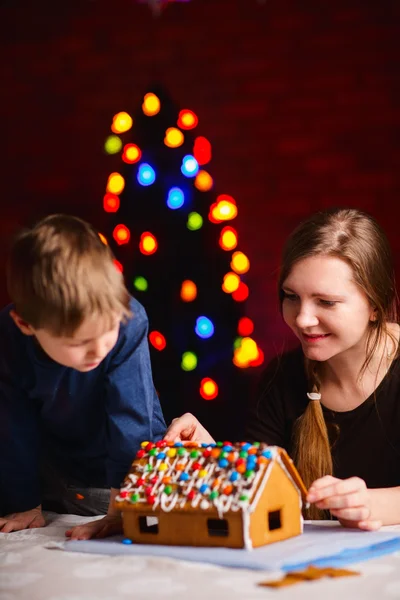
{"points": [[299, 98]]}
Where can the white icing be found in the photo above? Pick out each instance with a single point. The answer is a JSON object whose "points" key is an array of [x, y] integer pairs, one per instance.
{"points": [[217, 479]]}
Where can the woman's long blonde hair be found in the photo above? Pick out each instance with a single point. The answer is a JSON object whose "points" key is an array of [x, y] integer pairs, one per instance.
{"points": [[356, 238]]}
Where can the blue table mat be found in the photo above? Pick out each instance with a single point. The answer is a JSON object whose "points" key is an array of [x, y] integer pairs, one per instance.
{"points": [[321, 546]]}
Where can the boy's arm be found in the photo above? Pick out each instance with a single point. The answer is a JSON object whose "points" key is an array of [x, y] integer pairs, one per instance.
{"points": [[19, 479], [131, 402]]}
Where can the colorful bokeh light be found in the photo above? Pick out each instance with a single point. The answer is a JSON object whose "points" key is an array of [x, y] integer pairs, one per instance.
{"points": [[121, 234], [157, 340], [187, 119], [174, 137], [228, 238], [146, 174], [121, 122], [231, 282], [113, 144], [176, 198], [131, 154], [111, 203], [115, 183], [240, 263], [148, 243], [208, 389], [195, 221], [204, 327], [189, 361], [203, 181], [140, 283], [202, 150], [151, 105], [189, 166], [188, 290]]}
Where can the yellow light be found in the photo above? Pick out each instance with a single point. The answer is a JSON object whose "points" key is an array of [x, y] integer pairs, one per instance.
{"points": [[188, 291], [231, 283], [151, 105], [228, 239], [209, 388], [203, 181], [173, 137], [115, 184], [224, 211], [249, 348], [239, 359], [121, 122], [240, 263], [245, 353], [103, 239]]}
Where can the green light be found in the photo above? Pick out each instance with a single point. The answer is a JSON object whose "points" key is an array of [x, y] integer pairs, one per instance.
{"points": [[238, 342], [189, 361], [140, 283], [112, 144], [195, 221]]}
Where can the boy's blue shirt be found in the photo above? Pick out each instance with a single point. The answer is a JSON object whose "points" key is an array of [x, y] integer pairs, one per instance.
{"points": [[89, 425]]}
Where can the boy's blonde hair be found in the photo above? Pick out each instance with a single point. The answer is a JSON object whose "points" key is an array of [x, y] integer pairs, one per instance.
{"points": [[60, 272]]}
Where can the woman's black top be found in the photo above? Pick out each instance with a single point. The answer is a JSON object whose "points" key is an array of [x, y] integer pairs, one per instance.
{"points": [[365, 441]]}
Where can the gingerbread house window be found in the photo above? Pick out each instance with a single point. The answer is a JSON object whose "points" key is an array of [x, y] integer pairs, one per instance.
{"points": [[218, 527], [148, 524], [274, 520]]}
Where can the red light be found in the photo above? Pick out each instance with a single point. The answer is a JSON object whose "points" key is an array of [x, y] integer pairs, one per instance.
{"points": [[148, 243], [202, 150], [111, 203], [121, 234], [118, 265], [187, 119], [242, 293], [157, 340], [208, 389], [245, 326], [131, 154], [259, 360]]}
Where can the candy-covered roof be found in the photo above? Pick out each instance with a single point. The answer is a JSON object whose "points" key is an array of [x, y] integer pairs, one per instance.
{"points": [[174, 476]]}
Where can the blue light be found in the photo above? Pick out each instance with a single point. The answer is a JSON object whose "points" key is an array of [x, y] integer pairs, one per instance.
{"points": [[204, 327], [176, 198], [146, 174], [190, 166]]}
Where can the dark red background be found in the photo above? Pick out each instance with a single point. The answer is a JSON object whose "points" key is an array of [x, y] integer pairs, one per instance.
{"points": [[300, 100]]}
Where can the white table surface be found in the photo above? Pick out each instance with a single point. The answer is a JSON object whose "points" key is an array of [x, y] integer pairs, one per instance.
{"points": [[30, 571]]}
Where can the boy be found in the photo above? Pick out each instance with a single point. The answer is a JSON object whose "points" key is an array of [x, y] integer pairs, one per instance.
{"points": [[76, 389]]}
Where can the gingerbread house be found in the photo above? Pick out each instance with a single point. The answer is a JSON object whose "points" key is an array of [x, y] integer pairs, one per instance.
{"points": [[238, 495]]}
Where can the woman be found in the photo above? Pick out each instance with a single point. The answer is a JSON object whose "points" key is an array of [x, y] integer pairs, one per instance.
{"points": [[333, 404]]}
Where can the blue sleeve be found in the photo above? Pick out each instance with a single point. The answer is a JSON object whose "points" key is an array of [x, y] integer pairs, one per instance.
{"points": [[132, 405], [19, 473]]}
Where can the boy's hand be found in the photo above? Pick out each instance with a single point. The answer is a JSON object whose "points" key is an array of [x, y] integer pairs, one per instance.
{"points": [[187, 428], [108, 525], [30, 519]]}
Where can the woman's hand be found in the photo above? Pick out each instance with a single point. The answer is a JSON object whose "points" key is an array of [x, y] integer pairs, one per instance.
{"points": [[347, 499], [187, 428]]}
